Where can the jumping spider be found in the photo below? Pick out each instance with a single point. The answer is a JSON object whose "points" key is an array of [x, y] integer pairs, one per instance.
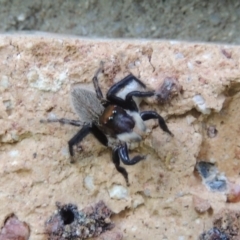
{"points": [[112, 120]]}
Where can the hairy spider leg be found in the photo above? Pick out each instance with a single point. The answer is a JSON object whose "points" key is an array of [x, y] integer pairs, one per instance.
{"points": [[85, 130], [127, 103], [96, 84], [64, 121], [146, 115]]}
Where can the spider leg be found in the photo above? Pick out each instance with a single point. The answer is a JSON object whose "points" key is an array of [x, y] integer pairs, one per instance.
{"points": [[124, 82], [123, 154], [96, 84], [146, 115], [128, 102], [63, 121], [99, 135], [111, 94], [129, 98], [85, 130], [122, 103], [116, 161]]}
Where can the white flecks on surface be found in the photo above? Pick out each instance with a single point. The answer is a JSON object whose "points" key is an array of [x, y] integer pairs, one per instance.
{"points": [[18, 57], [137, 63], [190, 119], [181, 238], [198, 221], [134, 229], [153, 80], [147, 192], [131, 65], [37, 79], [14, 153], [118, 192], [138, 201], [14, 135], [207, 56], [4, 83], [65, 151], [170, 200], [212, 160], [190, 66], [7, 104], [52, 116], [180, 194], [88, 183], [200, 104], [179, 55], [220, 100], [14, 163], [28, 45]]}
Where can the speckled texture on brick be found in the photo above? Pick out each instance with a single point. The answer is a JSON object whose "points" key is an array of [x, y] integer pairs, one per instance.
{"points": [[36, 76]]}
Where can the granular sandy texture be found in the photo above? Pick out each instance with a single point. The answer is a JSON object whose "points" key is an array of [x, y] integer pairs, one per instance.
{"points": [[36, 76]]}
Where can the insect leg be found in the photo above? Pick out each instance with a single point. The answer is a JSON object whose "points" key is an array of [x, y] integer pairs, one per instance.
{"points": [[121, 101], [129, 98], [128, 102], [123, 83], [96, 84], [83, 133], [99, 135], [63, 121], [123, 154], [139, 94], [146, 115], [116, 161], [85, 130]]}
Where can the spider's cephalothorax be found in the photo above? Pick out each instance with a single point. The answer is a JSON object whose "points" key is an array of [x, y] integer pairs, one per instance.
{"points": [[112, 120]]}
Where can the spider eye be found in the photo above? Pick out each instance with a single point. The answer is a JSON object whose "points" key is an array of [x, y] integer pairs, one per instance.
{"points": [[114, 111], [110, 118]]}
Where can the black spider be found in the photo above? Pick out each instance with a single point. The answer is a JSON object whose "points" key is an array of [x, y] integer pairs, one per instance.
{"points": [[112, 120]]}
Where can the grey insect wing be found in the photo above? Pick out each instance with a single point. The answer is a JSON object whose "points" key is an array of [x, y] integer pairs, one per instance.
{"points": [[86, 104]]}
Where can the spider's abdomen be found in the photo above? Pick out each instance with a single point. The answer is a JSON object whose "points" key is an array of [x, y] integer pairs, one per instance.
{"points": [[116, 120], [86, 104]]}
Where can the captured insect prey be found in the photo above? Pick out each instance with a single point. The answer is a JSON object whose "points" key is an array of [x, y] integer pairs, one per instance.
{"points": [[112, 119]]}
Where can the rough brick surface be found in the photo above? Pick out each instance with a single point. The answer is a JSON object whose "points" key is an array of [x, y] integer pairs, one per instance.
{"points": [[36, 76]]}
